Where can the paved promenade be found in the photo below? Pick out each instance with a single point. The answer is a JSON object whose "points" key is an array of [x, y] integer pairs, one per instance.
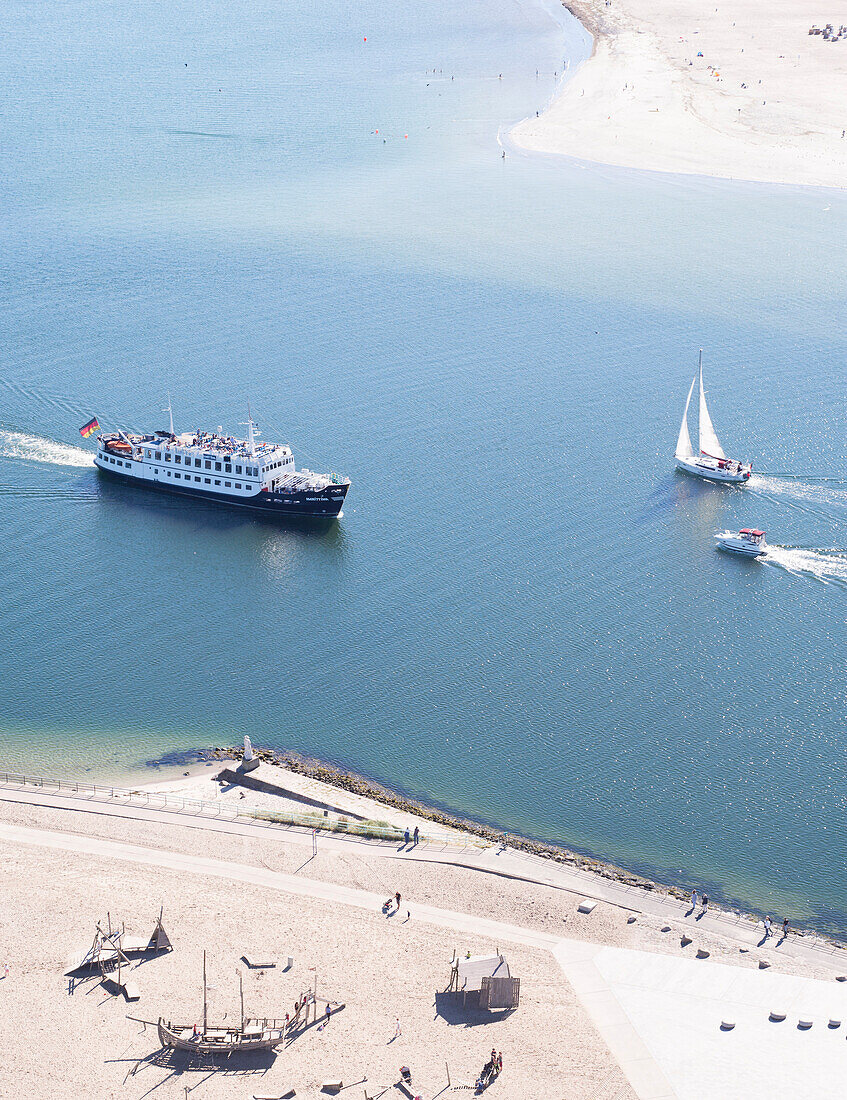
{"points": [[660, 1015], [446, 848]]}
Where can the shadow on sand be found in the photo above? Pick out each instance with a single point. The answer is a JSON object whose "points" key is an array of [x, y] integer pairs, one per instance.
{"points": [[461, 1009], [177, 1062]]}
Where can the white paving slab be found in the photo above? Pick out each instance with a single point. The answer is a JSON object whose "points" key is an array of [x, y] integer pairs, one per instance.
{"points": [[675, 1007]]}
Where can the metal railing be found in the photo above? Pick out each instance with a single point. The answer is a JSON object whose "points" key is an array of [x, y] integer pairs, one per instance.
{"points": [[259, 817], [379, 834]]}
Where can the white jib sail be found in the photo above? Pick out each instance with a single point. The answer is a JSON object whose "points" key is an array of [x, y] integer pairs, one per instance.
{"points": [[683, 444], [709, 444]]}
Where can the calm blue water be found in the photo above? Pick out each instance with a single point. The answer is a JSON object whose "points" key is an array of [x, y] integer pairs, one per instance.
{"points": [[521, 614]]}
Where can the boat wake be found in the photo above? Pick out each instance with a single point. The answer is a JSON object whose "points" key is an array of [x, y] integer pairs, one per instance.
{"points": [[34, 448], [826, 565], [801, 493]]}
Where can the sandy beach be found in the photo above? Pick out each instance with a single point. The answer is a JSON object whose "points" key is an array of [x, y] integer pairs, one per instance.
{"points": [[731, 90], [233, 889]]}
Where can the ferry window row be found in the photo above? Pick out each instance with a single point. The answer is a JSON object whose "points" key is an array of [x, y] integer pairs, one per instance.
{"points": [[208, 480], [248, 471]]}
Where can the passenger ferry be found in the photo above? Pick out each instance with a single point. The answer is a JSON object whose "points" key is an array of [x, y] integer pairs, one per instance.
{"points": [[246, 473]]}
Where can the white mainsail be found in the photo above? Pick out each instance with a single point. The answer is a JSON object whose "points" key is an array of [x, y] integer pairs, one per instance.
{"points": [[683, 444], [709, 444]]}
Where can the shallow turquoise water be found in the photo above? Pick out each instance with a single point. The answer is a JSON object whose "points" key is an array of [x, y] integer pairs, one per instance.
{"points": [[521, 614]]}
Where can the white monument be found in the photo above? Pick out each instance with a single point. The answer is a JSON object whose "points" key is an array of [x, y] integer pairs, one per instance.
{"points": [[250, 760]]}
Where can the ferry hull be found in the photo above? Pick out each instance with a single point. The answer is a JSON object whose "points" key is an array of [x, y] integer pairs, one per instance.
{"points": [[307, 504]]}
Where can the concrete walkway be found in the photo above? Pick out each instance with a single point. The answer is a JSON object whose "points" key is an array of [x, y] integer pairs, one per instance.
{"points": [[514, 864]]}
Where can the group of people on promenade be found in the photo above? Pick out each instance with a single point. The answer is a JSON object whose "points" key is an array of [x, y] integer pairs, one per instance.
{"points": [[767, 922]]}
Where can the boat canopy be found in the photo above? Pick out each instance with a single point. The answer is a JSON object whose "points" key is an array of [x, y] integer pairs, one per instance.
{"points": [[751, 531]]}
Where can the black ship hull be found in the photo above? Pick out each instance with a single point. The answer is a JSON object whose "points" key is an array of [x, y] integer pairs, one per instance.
{"points": [[303, 504]]}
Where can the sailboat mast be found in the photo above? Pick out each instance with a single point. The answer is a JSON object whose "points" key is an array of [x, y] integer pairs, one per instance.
{"points": [[241, 991], [204, 994]]}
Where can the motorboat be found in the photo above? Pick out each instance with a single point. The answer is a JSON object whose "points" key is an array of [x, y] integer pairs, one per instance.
{"points": [[711, 463], [749, 541]]}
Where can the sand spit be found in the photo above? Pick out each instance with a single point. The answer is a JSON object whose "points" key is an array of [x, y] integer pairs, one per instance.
{"points": [[374, 800], [732, 90], [351, 792]]}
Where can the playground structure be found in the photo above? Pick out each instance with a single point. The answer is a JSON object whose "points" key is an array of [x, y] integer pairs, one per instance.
{"points": [[484, 982], [111, 949]]}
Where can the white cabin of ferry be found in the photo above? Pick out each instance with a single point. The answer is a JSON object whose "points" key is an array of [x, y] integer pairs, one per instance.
{"points": [[210, 462]]}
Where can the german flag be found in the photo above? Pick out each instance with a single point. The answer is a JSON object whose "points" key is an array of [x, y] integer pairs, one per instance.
{"points": [[90, 428]]}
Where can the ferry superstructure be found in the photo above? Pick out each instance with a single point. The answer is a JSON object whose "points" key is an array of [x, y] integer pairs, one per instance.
{"points": [[246, 473]]}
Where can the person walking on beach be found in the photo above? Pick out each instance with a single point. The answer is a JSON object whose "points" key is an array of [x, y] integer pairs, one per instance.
{"points": [[785, 928], [327, 1013], [397, 1031], [406, 837], [415, 835], [705, 904], [767, 923], [397, 899], [693, 899]]}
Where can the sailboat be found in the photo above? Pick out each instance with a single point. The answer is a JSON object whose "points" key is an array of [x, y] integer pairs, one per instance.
{"points": [[711, 463], [250, 1035]]}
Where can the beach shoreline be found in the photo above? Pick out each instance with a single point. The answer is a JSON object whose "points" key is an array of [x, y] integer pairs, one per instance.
{"points": [[193, 774], [721, 93], [363, 787], [308, 912]]}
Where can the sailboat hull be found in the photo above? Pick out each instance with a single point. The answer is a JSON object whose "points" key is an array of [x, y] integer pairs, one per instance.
{"points": [[217, 1040], [712, 470]]}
